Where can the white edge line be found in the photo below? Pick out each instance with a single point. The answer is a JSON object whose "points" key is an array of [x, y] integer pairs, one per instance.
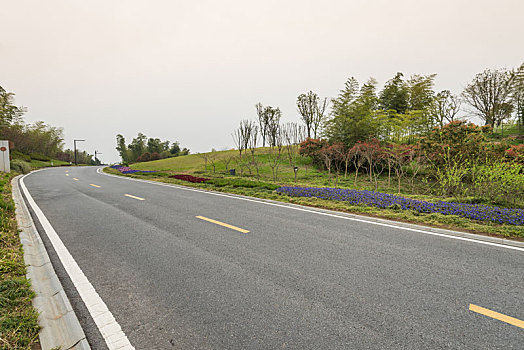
{"points": [[99, 170], [111, 331]]}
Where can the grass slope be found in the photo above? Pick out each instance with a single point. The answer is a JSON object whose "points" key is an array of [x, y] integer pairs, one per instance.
{"points": [[18, 319]]}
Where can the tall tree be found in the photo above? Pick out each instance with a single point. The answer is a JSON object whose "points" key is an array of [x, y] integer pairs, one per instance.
{"points": [[518, 96], [137, 146], [354, 118], [8, 111], [121, 147], [395, 95], [307, 107], [489, 95], [446, 107], [268, 120]]}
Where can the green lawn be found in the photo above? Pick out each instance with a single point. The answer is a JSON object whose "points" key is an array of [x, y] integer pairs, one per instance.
{"points": [[35, 164]]}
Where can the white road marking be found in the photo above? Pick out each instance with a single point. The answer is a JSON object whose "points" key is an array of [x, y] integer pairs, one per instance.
{"points": [[134, 197], [111, 331], [99, 171]]}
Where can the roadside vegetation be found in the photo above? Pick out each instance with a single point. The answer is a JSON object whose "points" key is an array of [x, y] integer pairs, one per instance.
{"points": [[405, 152], [18, 319], [34, 145]]}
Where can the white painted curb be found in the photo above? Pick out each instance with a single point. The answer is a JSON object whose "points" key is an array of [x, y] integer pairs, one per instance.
{"points": [[60, 326]]}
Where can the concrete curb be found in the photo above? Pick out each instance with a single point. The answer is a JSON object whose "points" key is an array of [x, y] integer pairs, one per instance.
{"points": [[399, 224], [60, 326]]}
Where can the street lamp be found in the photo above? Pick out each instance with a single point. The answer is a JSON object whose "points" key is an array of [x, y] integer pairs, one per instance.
{"points": [[96, 152], [75, 141]]}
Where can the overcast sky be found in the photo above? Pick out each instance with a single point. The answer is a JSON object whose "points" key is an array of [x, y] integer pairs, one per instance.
{"points": [[191, 70]]}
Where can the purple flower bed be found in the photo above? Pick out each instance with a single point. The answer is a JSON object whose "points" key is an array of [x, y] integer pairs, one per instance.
{"points": [[383, 200], [128, 170]]}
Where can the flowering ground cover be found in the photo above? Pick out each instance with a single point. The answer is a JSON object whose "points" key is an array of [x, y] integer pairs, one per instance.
{"points": [[383, 200], [189, 178], [128, 170]]}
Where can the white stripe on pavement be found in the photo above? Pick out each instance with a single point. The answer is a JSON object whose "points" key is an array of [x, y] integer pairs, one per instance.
{"points": [[111, 331]]}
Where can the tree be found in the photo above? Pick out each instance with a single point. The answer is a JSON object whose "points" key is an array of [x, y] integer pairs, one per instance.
{"points": [[275, 150], [446, 107], [395, 94], [8, 111], [312, 111], [518, 96], [268, 119], [242, 135], [306, 105], [320, 116], [355, 118], [489, 96], [175, 148], [137, 147], [121, 147], [156, 145]]}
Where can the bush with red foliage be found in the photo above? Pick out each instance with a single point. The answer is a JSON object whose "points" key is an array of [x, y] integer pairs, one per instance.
{"points": [[155, 156], [516, 153], [189, 178]]}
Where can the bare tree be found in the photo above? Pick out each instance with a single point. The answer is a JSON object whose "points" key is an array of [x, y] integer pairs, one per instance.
{"points": [[242, 135], [306, 105], [312, 111], [320, 116], [252, 145], [489, 95], [205, 157], [226, 159], [268, 117], [447, 106], [518, 96], [275, 150], [213, 159]]}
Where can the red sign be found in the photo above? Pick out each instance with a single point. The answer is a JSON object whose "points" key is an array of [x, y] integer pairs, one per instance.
{"points": [[3, 149]]}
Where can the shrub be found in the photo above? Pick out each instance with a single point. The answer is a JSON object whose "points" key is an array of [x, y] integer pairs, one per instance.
{"points": [[155, 156], [310, 148], [189, 178], [499, 183], [457, 141], [20, 166], [145, 157], [39, 156], [20, 155], [516, 153]]}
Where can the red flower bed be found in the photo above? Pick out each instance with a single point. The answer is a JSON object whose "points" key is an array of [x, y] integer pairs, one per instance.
{"points": [[189, 178]]}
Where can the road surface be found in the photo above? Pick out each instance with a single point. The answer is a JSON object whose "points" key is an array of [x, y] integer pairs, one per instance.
{"points": [[177, 270]]}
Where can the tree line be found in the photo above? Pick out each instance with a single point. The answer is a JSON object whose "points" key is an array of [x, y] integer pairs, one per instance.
{"points": [[38, 140], [143, 149]]}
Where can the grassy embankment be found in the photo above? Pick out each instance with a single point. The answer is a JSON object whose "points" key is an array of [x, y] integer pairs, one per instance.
{"points": [[263, 186], [18, 319]]}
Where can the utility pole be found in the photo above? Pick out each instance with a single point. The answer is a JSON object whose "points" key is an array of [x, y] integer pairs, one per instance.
{"points": [[75, 141], [96, 152]]}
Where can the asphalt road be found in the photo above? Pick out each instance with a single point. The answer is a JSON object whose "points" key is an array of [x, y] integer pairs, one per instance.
{"points": [[296, 280]]}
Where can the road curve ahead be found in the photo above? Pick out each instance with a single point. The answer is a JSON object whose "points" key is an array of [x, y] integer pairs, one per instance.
{"points": [[185, 269]]}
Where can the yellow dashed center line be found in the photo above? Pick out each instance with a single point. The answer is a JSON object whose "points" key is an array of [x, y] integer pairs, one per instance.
{"points": [[134, 197], [75, 179], [498, 316], [67, 174], [222, 224], [94, 185]]}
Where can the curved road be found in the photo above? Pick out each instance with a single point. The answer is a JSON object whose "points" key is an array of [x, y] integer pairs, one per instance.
{"points": [[175, 277]]}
